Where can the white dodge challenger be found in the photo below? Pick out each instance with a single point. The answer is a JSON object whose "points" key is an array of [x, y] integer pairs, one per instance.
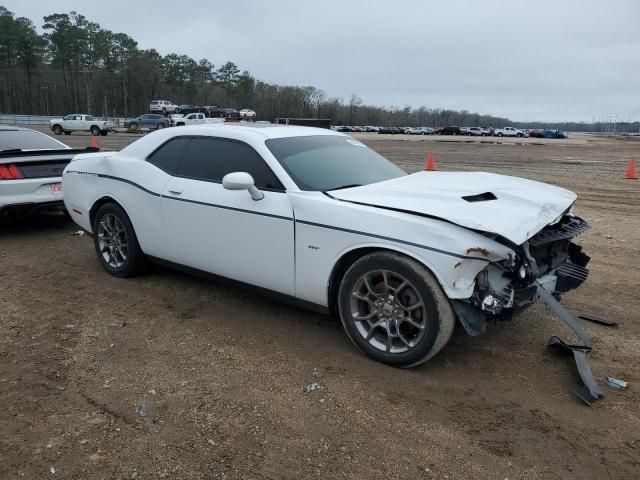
{"points": [[316, 217]]}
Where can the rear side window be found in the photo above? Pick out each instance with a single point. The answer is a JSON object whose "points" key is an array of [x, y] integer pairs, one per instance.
{"points": [[211, 159], [168, 156]]}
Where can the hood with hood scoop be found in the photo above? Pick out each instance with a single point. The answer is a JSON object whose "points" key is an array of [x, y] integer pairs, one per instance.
{"points": [[512, 207]]}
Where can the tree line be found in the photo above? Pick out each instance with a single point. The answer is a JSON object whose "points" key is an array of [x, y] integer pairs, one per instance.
{"points": [[78, 66]]}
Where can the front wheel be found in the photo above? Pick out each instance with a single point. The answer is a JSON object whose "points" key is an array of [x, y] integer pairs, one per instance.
{"points": [[133, 127], [116, 243], [394, 310]]}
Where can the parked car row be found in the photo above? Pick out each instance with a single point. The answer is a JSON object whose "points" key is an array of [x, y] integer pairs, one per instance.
{"points": [[455, 130], [166, 107]]}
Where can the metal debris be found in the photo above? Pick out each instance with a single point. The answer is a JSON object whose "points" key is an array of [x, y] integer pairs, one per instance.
{"points": [[590, 391], [316, 374], [312, 386], [80, 233], [617, 383], [142, 410], [599, 320], [564, 314]]}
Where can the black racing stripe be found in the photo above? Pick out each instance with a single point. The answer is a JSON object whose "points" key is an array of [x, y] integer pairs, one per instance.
{"points": [[197, 202], [390, 239], [313, 224], [124, 180], [224, 207]]}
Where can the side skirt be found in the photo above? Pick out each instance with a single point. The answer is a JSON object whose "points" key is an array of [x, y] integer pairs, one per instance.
{"points": [[281, 297]]}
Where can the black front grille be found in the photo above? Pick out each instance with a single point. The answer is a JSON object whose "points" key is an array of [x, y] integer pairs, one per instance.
{"points": [[568, 227]]}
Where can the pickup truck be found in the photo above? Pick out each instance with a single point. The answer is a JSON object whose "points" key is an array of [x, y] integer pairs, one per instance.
{"points": [[192, 119], [80, 123], [508, 132]]}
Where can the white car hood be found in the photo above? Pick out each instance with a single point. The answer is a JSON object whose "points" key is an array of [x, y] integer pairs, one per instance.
{"points": [[522, 207]]}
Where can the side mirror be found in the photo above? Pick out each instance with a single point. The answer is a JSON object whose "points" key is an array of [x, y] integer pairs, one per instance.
{"points": [[242, 181]]}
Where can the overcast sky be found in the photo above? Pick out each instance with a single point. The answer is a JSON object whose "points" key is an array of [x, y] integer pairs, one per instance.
{"points": [[525, 59]]}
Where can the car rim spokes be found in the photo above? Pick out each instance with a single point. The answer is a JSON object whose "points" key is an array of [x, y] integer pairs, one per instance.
{"points": [[112, 241], [388, 311]]}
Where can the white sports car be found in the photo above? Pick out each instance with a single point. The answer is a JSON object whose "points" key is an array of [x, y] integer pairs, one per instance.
{"points": [[31, 165], [316, 217]]}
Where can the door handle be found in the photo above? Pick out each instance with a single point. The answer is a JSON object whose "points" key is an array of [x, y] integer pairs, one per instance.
{"points": [[176, 192]]}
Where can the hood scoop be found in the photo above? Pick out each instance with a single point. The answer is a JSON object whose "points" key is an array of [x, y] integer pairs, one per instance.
{"points": [[480, 197]]}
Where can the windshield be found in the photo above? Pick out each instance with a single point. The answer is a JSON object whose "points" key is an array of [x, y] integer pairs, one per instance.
{"points": [[329, 162], [27, 140]]}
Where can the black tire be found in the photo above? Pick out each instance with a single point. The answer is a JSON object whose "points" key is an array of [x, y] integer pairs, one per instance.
{"points": [[135, 261], [57, 129], [164, 111], [95, 130], [180, 124], [133, 126], [67, 132], [500, 134], [104, 133], [160, 126], [438, 321]]}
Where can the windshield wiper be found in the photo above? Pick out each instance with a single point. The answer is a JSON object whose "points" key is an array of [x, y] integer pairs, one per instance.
{"points": [[351, 185]]}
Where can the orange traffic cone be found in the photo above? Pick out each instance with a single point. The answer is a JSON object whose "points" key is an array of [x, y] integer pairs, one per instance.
{"points": [[430, 166], [631, 171], [93, 143]]}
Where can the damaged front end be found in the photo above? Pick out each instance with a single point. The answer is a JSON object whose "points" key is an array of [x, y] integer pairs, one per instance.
{"points": [[549, 260]]}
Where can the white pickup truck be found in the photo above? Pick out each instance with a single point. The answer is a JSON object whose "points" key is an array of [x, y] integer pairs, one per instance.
{"points": [[80, 123], [178, 120], [508, 132]]}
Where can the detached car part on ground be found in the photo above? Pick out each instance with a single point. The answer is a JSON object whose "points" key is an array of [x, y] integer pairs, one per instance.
{"points": [[31, 165], [318, 218]]}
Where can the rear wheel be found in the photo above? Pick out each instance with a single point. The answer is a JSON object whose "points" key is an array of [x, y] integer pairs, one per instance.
{"points": [[116, 243], [95, 130], [57, 129], [394, 310]]}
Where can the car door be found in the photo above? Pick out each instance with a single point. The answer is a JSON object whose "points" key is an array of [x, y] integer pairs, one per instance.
{"points": [[226, 232]]}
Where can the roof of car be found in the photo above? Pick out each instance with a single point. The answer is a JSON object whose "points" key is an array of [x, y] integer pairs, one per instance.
{"points": [[267, 130], [239, 131]]}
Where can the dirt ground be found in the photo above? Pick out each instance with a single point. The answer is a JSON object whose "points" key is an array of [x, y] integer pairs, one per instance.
{"points": [[221, 373]]}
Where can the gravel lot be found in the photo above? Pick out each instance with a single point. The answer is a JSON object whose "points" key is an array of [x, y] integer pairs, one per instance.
{"points": [[221, 373]]}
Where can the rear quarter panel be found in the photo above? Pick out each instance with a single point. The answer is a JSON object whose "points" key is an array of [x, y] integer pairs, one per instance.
{"points": [[134, 184]]}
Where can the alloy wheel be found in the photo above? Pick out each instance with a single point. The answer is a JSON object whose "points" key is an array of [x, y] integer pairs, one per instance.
{"points": [[112, 241], [388, 311]]}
